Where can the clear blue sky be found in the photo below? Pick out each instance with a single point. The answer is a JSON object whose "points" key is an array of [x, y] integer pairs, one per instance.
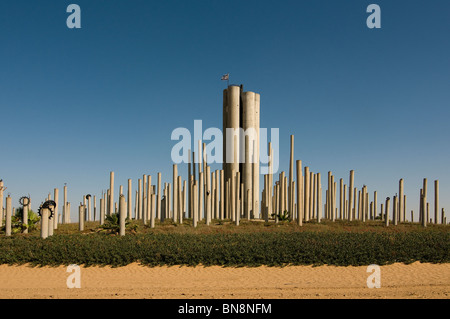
{"points": [[76, 104]]}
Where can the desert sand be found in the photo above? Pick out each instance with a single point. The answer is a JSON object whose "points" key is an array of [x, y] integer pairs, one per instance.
{"points": [[135, 281]]}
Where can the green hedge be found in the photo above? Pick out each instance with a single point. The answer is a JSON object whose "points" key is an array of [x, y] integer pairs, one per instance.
{"points": [[248, 249]]}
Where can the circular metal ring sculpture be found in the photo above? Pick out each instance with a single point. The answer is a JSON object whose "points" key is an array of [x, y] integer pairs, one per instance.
{"points": [[50, 205], [22, 200]]}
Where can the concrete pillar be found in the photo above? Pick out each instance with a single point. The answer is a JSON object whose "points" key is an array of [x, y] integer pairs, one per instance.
{"points": [[237, 203], [270, 181], [329, 196], [140, 202], [158, 198], [129, 200], [443, 217], [45, 213], [200, 192], [56, 213], [395, 211], [350, 194], [375, 205], [50, 224], [68, 212], [382, 212], [282, 194], [122, 214], [149, 199], [412, 216], [233, 196], [25, 205], [81, 213], [404, 208], [190, 189], [341, 198], [386, 215], [102, 213], [291, 177], [2, 189], [196, 202], [65, 213], [306, 191], [178, 211], [153, 210], [241, 201], [345, 216], [313, 195], [175, 192], [8, 216], [359, 206], [144, 197], [366, 202], [216, 195], [424, 201], [232, 120], [436, 201], [111, 193], [319, 198], [89, 207], [400, 199], [247, 177], [95, 207], [256, 148], [183, 210], [333, 199], [300, 197], [222, 194], [208, 195], [213, 199]]}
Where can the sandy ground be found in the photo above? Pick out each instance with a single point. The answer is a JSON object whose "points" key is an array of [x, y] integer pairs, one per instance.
{"points": [[134, 281]]}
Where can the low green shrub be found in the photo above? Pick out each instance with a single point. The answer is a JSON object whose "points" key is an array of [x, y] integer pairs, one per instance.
{"points": [[241, 249]]}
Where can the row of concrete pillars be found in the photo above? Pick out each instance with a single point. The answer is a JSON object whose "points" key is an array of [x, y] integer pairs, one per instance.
{"points": [[210, 195]]}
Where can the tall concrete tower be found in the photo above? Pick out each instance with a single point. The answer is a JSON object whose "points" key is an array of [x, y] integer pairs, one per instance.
{"points": [[241, 143]]}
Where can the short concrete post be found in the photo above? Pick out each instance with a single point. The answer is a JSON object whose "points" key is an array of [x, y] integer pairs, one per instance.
{"points": [[412, 216], [81, 210], [45, 213]]}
